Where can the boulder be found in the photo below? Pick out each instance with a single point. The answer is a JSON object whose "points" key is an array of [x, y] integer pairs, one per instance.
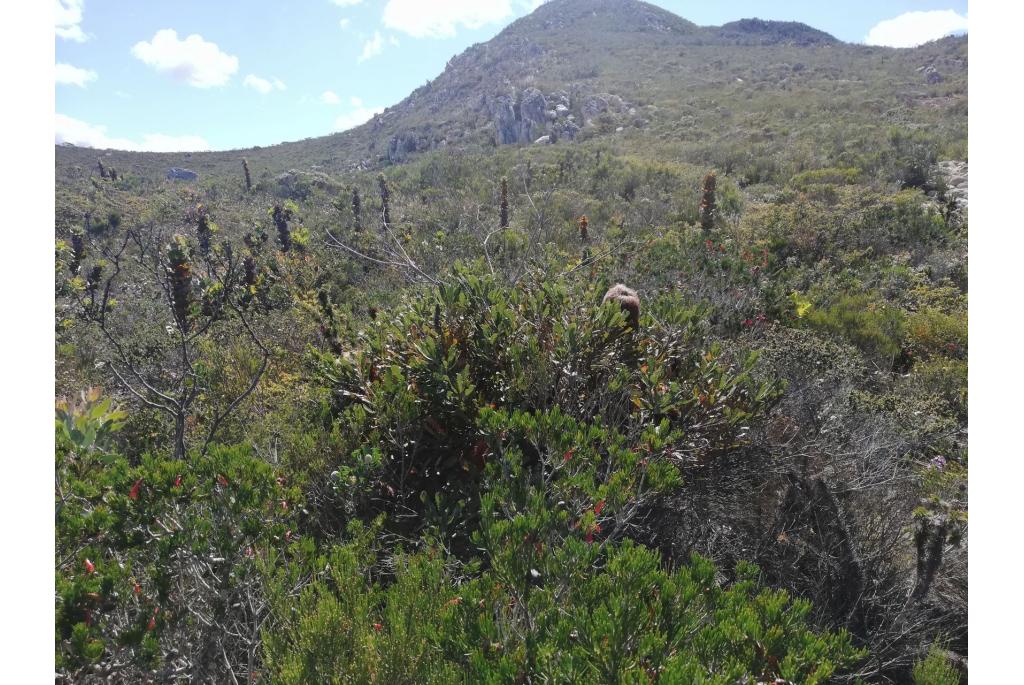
{"points": [[179, 174], [503, 114], [593, 106], [531, 113], [543, 140]]}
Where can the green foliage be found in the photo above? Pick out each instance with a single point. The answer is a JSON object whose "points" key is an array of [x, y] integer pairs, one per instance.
{"points": [[935, 669], [876, 328], [567, 613], [804, 180], [88, 422], [445, 386], [145, 550]]}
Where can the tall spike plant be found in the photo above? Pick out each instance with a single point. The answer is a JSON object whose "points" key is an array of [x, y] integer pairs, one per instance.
{"points": [[503, 206], [708, 208], [179, 273]]}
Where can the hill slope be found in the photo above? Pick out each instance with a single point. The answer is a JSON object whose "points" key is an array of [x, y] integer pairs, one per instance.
{"points": [[629, 71]]}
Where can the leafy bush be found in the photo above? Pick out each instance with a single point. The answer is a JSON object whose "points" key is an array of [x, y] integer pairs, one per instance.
{"points": [[433, 392], [156, 562], [876, 328], [935, 669], [568, 613], [89, 422]]}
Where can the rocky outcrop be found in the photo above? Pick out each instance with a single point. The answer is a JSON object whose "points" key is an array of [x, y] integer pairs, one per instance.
{"points": [[518, 121], [931, 74], [954, 173], [298, 185], [179, 174], [534, 117]]}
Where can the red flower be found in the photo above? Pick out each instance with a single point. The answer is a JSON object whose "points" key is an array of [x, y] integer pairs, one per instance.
{"points": [[222, 480], [134, 492], [748, 322], [599, 507], [378, 627], [568, 454], [89, 567], [177, 481], [137, 589]]}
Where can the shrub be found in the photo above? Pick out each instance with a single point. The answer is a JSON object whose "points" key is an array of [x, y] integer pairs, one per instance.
{"points": [[935, 669], [568, 613], [156, 562], [424, 388]]}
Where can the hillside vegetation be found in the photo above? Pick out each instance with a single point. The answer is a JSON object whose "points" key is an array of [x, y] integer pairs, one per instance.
{"points": [[354, 411]]}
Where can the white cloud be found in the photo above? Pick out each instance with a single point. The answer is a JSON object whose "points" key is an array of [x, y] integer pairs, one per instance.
{"points": [[67, 75], [262, 85], [911, 29], [67, 17], [196, 61], [343, 23], [346, 3], [76, 132], [356, 102], [359, 115], [329, 97], [442, 18], [372, 47]]}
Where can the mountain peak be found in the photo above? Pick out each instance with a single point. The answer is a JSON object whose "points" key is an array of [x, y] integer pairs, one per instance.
{"points": [[767, 32], [606, 15]]}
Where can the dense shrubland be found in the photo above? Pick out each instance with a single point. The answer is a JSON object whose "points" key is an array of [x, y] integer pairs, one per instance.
{"points": [[336, 443]]}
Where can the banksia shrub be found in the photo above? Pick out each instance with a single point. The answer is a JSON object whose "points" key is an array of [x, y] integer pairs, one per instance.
{"points": [[385, 199], [250, 271], [707, 202], [248, 178], [583, 223], [93, 280], [77, 251], [204, 230], [179, 272], [357, 210], [281, 216], [103, 169], [503, 207], [329, 322], [255, 239]]}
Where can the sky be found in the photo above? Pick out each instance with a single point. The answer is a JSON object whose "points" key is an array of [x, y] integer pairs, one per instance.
{"points": [[200, 75]]}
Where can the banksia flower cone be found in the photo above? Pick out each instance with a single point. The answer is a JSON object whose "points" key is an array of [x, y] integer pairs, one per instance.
{"points": [[503, 208], [583, 223], [707, 202], [179, 269], [385, 199]]}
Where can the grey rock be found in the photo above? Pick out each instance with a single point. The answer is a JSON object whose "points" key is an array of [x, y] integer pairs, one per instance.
{"points": [[503, 114], [593, 106], [561, 110], [932, 75], [179, 174], [543, 140], [550, 115]]}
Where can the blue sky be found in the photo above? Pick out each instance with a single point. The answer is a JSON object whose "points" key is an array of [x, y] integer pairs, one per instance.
{"points": [[186, 75]]}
